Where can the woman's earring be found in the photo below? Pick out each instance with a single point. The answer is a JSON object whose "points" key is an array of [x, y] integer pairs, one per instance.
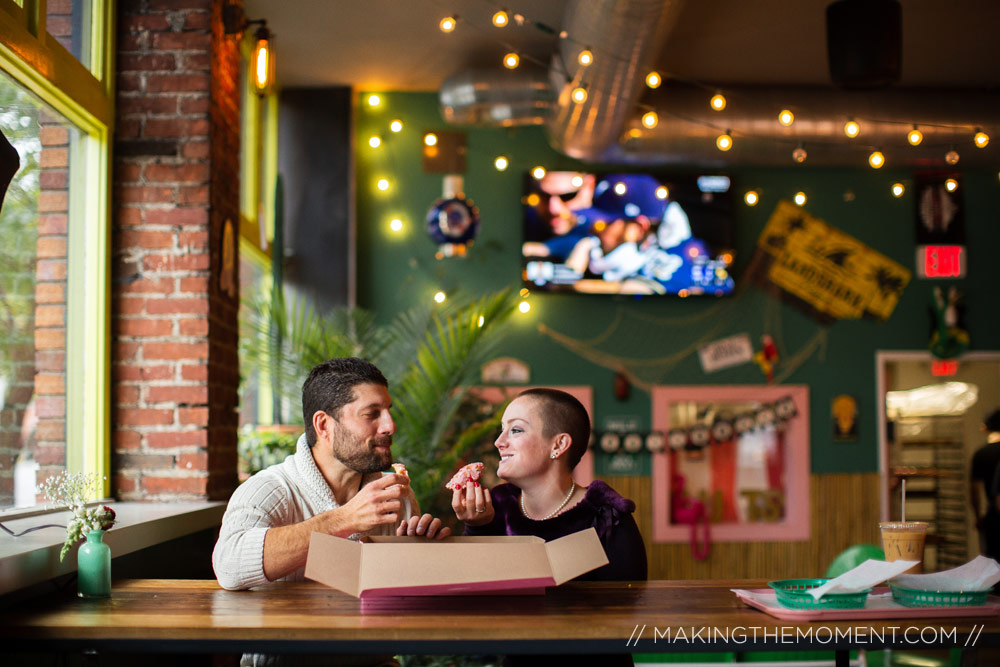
{"points": [[553, 455]]}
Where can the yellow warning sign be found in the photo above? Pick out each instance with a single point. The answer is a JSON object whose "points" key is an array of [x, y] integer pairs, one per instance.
{"points": [[831, 274]]}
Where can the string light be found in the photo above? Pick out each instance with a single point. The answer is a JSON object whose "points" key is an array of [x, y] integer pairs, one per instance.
{"points": [[724, 141], [579, 94], [439, 297], [951, 185], [524, 306], [800, 198], [576, 181], [915, 136], [382, 184], [653, 79], [718, 102], [898, 190], [786, 117], [447, 24], [511, 61], [662, 192], [876, 159], [951, 157], [620, 188], [800, 154], [374, 100], [501, 163], [650, 119], [981, 139], [395, 224], [396, 126], [375, 142], [501, 19], [851, 128], [751, 198], [430, 139], [538, 172], [585, 58]]}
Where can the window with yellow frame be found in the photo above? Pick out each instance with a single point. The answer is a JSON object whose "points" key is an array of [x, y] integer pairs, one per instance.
{"points": [[56, 110]]}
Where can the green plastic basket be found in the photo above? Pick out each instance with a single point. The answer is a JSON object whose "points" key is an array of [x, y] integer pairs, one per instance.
{"points": [[793, 593], [909, 597]]}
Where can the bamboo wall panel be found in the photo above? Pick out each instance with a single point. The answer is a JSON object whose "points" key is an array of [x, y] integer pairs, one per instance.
{"points": [[844, 510]]}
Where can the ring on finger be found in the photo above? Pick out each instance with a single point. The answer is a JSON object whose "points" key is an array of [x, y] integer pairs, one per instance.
{"points": [[479, 511]]}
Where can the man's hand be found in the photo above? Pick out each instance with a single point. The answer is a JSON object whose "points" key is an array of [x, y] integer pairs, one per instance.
{"points": [[425, 525], [376, 504], [473, 504]]}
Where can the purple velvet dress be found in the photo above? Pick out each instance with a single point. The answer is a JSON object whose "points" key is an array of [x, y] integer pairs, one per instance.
{"points": [[601, 508]]}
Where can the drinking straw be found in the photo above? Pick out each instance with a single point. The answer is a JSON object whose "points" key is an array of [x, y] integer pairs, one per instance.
{"points": [[904, 499]]}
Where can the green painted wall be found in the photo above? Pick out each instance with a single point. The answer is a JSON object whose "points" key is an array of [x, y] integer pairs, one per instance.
{"points": [[395, 270]]}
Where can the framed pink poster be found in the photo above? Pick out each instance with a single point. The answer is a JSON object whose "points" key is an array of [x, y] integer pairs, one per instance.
{"points": [[737, 456]]}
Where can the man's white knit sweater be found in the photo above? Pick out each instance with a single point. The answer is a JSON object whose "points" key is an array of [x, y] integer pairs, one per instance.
{"points": [[286, 493]]}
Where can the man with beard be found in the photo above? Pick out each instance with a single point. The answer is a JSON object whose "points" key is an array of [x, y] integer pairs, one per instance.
{"points": [[332, 484]]}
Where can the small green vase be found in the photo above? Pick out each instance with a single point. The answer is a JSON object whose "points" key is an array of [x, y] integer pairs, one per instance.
{"points": [[93, 567]]}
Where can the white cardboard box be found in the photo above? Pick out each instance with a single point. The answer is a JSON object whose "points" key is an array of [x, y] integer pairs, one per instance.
{"points": [[408, 566]]}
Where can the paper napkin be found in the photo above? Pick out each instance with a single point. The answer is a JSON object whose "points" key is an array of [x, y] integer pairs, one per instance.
{"points": [[979, 574], [870, 573]]}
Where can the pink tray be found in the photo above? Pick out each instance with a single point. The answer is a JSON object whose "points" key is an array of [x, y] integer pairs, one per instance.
{"points": [[879, 605]]}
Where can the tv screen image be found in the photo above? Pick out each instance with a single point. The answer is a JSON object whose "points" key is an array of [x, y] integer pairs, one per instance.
{"points": [[628, 233]]}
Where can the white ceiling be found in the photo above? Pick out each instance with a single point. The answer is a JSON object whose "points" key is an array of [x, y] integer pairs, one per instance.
{"points": [[396, 44]]}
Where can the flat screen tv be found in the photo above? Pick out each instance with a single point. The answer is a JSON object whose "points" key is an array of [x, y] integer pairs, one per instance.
{"points": [[628, 233]]}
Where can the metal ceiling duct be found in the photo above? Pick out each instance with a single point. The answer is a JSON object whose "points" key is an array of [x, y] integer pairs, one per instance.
{"points": [[625, 36], [496, 98]]}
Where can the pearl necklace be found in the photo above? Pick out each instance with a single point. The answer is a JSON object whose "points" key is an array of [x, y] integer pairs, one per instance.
{"points": [[572, 488]]}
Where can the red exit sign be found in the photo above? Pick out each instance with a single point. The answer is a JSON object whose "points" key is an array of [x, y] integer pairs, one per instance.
{"points": [[941, 261]]}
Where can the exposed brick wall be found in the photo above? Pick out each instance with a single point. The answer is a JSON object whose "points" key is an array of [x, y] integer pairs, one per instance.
{"points": [[175, 373]]}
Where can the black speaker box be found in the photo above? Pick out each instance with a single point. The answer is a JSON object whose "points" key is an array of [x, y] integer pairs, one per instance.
{"points": [[864, 42]]}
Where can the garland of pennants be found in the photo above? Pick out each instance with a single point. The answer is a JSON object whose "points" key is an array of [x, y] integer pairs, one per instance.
{"points": [[698, 436]]}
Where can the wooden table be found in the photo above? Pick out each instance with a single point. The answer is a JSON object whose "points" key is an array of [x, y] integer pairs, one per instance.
{"points": [[146, 615]]}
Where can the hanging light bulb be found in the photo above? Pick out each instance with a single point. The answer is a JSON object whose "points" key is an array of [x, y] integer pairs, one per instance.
{"points": [[447, 24], [898, 190], [538, 172], [951, 157], [718, 102], [800, 198], [501, 163], [579, 94], [396, 126], [524, 306], [620, 188], [374, 100], [786, 117], [501, 18], [511, 61], [653, 79], [585, 58], [800, 154], [951, 185], [439, 297], [876, 159], [662, 192], [395, 224], [650, 119], [430, 139], [724, 141], [382, 184], [915, 136], [576, 181], [981, 139], [375, 142], [751, 198], [851, 128], [263, 61]]}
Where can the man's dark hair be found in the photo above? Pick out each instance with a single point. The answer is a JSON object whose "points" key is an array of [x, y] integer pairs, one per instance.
{"points": [[992, 421], [563, 413], [330, 386]]}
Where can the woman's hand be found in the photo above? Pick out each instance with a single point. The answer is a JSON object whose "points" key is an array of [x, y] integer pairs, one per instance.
{"points": [[426, 526], [473, 504]]}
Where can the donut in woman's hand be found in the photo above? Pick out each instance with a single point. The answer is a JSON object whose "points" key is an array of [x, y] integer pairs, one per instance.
{"points": [[466, 474]]}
